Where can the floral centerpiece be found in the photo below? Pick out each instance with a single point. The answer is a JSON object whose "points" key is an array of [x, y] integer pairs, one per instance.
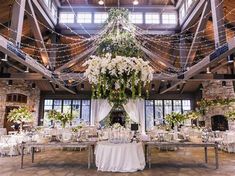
{"points": [[61, 117], [20, 115], [116, 126], [192, 115], [175, 118]]}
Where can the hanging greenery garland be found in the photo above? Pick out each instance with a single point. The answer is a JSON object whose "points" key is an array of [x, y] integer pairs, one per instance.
{"points": [[204, 104]]}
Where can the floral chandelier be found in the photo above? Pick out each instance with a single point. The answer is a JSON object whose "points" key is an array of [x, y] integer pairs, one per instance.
{"points": [[118, 72]]}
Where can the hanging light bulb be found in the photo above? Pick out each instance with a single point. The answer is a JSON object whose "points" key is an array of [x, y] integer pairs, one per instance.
{"points": [[135, 2], [208, 70], [27, 70], [101, 2], [4, 59]]}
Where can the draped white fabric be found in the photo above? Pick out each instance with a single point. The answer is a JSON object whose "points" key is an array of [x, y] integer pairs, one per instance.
{"points": [[135, 109], [100, 108]]}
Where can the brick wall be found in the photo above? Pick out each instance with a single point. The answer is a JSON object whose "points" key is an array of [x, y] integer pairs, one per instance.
{"points": [[19, 87]]}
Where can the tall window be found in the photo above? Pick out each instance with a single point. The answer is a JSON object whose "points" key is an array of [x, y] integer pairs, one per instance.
{"points": [[80, 109], [47, 2], [189, 3], [54, 11], [84, 17], [186, 105], [149, 114], [155, 110], [182, 11], [66, 17], [177, 107], [158, 112], [136, 17], [169, 18], [152, 18], [100, 17]]}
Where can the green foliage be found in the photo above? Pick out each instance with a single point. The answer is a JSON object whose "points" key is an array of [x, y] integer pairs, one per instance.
{"points": [[175, 118], [62, 117], [205, 104], [115, 13], [193, 115], [20, 115], [118, 41], [230, 115]]}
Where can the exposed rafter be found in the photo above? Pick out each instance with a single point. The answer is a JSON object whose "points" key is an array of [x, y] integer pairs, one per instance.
{"points": [[77, 59], [37, 33], [218, 55], [15, 53], [197, 37], [17, 21]]}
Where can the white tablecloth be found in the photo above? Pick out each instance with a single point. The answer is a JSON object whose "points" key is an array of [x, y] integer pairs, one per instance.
{"points": [[119, 157]]}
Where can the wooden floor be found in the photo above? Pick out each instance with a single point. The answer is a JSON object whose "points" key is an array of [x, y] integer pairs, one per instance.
{"points": [[185, 161]]}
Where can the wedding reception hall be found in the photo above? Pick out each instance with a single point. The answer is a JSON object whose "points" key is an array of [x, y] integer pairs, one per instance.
{"points": [[117, 87]]}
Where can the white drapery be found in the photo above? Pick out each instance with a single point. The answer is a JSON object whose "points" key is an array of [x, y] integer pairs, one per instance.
{"points": [[100, 108], [135, 109]]}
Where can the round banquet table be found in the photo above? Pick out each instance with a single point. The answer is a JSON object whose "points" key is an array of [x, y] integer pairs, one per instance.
{"points": [[126, 157]]}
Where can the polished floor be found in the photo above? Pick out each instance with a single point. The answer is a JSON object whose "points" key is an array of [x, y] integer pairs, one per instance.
{"points": [[183, 162]]}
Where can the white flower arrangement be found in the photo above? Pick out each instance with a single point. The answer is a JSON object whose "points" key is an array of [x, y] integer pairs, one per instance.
{"points": [[116, 126], [119, 73]]}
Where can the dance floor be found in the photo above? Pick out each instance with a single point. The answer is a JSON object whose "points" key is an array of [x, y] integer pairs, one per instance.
{"points": [[185, 161]]}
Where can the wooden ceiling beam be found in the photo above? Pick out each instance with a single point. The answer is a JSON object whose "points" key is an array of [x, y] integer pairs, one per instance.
{"points": [[77, 59], [37, 34], [15, 53], [219, 54], [17, 21], [197, 37], [193, 17]]}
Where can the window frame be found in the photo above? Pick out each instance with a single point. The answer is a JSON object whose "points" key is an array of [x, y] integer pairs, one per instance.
{"points": [[84, 19], [67, 21]]}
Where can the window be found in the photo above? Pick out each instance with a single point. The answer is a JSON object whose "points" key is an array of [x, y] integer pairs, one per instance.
{"points": [[54, 11], [152, 18], [158, 112], [186, 105], [155, 110], [79, 108], [169, 18], [189, 3], [58, 105], [182, 11], [167, 106], [66, 17], [19, 98], [136, 17], [85, 116], [47, 2], [149, 114], [100, 17], [84, 17], [177, 107]]}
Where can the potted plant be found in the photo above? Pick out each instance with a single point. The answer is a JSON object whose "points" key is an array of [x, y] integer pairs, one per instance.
{"points": [[20, 115]]}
